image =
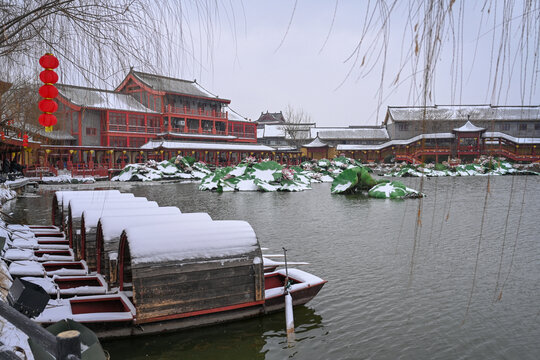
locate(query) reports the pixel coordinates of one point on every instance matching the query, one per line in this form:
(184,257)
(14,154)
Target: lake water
(455,275)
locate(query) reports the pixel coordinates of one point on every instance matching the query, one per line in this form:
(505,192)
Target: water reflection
(248,339)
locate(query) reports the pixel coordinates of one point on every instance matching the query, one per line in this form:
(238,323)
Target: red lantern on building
(25,140)
(48,91)
(3,136)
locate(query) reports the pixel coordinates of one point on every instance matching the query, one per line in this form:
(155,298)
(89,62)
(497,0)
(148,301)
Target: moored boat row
(124,266)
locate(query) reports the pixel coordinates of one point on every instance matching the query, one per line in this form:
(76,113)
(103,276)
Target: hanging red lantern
(48,120)
(48,91)
(3,136)
(25,140)
(49,61)
(48,76)
(48,105)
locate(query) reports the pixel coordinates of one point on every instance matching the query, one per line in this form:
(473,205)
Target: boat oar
(289,317)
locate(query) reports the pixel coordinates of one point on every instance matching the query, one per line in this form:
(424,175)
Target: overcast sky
(245,51)
(248,65)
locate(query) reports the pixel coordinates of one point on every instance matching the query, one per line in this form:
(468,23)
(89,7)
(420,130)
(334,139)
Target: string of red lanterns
(48,91)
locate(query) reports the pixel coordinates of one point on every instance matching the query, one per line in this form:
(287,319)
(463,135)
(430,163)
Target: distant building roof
(100,99)
(271,118)
(168,144)
(343,133)
(462,113)
(316,143)
(469,127)
(347,147)
(173,85)
(271,131)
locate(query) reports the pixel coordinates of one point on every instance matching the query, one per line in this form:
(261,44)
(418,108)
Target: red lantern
(49,61)
(48,105)
(3,136)
(48,76)
(47,120)
(25,140)
(48,91)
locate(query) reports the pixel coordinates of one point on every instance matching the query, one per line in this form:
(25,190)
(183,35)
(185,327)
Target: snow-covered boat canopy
(59,195)
(178,242)
(112,226)
(183,145)
(66,198)
(347,147)
(77,206)
(92,217)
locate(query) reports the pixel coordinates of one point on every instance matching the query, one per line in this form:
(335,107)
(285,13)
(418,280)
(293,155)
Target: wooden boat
(91,218)
(109,231)
(49,268)
(170,279)
(69,286)
(57,208)
(78,205)
(15,254)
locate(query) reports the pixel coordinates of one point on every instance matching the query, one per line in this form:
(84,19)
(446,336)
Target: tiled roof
(173,85)
(464,112)
(350,133)
(100,99)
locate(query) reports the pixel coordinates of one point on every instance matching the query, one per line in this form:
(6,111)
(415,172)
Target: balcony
(196,112)
(135,129)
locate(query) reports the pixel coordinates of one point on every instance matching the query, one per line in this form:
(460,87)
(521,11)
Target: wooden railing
(40,171)
(197,112)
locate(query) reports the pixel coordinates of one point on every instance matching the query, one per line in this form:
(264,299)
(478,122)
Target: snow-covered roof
(91,217)
(280,131)
(341,133)
(40,130)
(174,85)
(177,242)
(464,112)
(316,143)
(77,206)
(233,115)
(271,131)
(112,226)
(513,139)
(469,127)
(101,99)
(182,145)
(346,147)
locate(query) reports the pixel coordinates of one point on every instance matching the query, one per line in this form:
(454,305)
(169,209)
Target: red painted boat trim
(200,312)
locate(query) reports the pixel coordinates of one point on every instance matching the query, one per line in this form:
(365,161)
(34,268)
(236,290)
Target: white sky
(248,66)
(240,58)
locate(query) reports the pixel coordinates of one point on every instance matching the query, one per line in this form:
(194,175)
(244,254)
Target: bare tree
(296,127)
(96,40)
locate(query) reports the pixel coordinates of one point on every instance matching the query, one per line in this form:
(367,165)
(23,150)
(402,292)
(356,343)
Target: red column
(80,127)
(107,140)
